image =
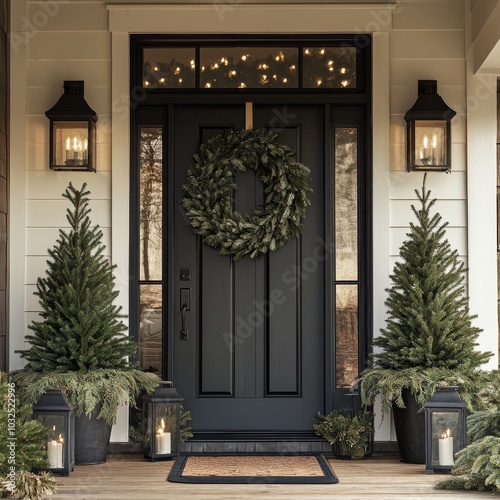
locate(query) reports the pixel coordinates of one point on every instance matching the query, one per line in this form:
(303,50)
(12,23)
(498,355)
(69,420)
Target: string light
(324,67)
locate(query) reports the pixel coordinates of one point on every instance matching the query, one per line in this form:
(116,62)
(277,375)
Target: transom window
(310,65)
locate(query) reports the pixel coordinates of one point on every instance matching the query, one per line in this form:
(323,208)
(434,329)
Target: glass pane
(71,143)
(169,68)
(346,334)
(166,428)
(445,442)
(150,230)
(430,142)
(150,336)
(346,204)
(248,67)
(56,436)
(329,67)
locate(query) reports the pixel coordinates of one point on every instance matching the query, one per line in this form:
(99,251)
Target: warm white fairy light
(285,80)
(263,79)
(242,85)
(208,85)
(293,67)
(177,70)
(275,77)
(146,83)
(307,52)
(162,80)
(244,57)
(322,52)
(330,63)
(345,83)
(192,63)
(343,71)
(319,82)
(202,69)
(331,69)
(155,68)
(180,80)
(215,66)
(232,73)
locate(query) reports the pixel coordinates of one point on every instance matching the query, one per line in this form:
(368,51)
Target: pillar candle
(446,450)
(55,453)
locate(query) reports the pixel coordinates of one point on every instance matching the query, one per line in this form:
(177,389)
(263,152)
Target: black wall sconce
(428,130)
(72,130)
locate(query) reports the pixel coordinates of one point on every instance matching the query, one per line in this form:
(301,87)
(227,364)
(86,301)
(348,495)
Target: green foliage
(479,466)
(487,422)
(81,328)
(211,184)
(389,384)
(429,327)
(21,449)
(350,434)
(109,388)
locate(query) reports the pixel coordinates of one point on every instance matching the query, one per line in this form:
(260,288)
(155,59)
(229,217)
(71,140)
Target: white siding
(71,41)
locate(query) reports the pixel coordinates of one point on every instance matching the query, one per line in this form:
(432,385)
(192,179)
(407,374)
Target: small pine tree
(21,449)
(429,339)
(81,328)
(429,324)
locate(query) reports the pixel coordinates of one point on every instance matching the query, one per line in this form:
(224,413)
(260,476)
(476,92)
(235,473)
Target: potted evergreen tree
(79,344)
(429,339)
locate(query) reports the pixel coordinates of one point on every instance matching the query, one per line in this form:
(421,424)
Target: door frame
(363,101)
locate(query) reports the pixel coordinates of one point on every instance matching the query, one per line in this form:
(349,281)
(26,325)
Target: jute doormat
(312,469)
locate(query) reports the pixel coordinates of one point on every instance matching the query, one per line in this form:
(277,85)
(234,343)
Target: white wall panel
(69,16)
(52,213)
(408,71)
(51,73)
(456,236)
(69,46)
(36,265)
(452,211)
(442,185)
(51,185)
(429,15)
(38,240)
(427,44)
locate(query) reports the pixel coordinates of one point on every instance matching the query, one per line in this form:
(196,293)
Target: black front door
(254,356)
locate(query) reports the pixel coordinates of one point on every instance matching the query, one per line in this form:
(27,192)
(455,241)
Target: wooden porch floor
(381,477)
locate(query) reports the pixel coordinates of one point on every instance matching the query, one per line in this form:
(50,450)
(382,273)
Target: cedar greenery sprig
(211,184)
(109,388)
(27,436)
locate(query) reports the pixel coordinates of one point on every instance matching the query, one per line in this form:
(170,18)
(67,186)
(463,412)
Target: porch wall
(53,42)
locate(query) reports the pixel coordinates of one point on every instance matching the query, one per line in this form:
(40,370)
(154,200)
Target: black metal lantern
(161,422)
(72,130)
(57,415)
(445,429)
(428,130)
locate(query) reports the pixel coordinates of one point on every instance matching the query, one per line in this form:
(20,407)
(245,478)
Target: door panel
(254,356)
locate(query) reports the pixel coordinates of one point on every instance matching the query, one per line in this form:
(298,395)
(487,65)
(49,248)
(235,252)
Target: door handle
(185,306)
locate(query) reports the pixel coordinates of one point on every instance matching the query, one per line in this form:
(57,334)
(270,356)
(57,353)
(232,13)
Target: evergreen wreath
(211,182)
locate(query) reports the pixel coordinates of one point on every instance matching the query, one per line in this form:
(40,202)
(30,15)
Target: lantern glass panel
(430,143)
(56,437)
(445,437)
(166,428)
(71,143)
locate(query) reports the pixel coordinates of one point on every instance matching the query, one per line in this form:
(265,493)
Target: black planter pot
(410,430)
(91,439)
